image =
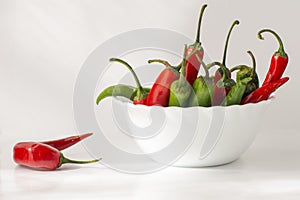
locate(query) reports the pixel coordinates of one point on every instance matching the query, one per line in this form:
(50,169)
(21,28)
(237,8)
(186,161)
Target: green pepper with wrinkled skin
(180,89)
(222,83)
(120,90)
(245,71)
(236,93)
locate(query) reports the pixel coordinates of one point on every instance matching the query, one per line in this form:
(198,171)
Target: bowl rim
(129,103)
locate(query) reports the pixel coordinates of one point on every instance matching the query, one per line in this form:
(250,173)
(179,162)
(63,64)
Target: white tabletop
(270,169)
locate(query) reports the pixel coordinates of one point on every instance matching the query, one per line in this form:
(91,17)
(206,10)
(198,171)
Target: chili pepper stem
(164,62)
(167,64)
(280,51)
(183,68)
(182,78)
(223,68)
(253,63)
(140,90)
(178,67)
(236,22)
(210,65)
(199,24)
(138,84)
(64,160)
(240,67)
(204,66)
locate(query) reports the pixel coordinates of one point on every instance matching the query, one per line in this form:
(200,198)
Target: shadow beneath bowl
(272,151)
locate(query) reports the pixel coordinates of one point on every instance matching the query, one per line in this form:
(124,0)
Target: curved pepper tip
(259,35)
(112,59)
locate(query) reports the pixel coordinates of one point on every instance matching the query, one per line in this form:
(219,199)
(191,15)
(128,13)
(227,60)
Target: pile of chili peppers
(46,155)
(181,86)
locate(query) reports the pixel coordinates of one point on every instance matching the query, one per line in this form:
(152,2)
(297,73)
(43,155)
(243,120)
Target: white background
(44,43)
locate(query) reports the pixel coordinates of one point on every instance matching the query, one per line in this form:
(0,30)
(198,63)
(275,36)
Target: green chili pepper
(120,90)
(141,95)
(236,93)
(203,89)
(245,71)
(116,90)
(180,89)
(138,95)
(225,80)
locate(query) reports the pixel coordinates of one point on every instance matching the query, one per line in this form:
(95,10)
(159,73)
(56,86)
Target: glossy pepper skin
(196,53)
(120,90)
(279,59)
(203,89)
(264,92)
(222,86)
(160,92)
(245,72)
(180,90)
(235,95)
(65,143)
(116,90)
(141,94)
(41,156)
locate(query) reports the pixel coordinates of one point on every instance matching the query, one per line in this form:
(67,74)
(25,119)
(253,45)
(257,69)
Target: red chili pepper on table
(41,156)
(195,53)
(279,60)
(264,92)
(64,143)
(141,94)
(160,92)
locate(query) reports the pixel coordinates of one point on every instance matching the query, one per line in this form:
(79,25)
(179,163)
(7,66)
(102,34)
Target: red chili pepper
(193,63)
(279,60)
(222,85)
(141,94)
(41,156)
(141,101)
(264,92)
(160,91)
(64,143)
(218,75)
(221,92)
(219,96)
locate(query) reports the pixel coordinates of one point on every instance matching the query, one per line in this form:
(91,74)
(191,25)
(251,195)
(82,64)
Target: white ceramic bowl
(195,136)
